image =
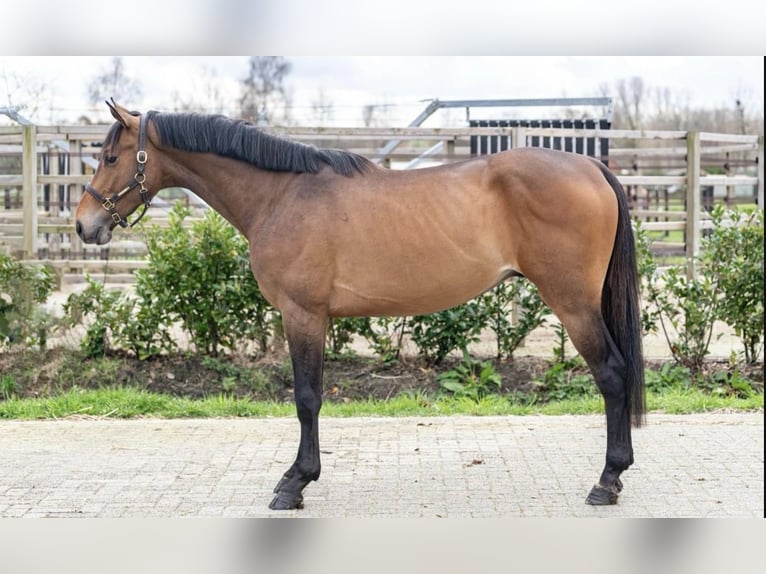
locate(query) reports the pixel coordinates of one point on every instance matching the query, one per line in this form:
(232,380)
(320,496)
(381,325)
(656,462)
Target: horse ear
(118,112)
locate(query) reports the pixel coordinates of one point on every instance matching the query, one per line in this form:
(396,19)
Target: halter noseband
(110,203)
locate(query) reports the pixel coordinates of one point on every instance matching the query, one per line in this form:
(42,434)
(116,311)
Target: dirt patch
(39,374)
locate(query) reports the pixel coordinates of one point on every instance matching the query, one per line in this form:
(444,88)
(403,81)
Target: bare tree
(640,106)
(748,111)
(666,110)
(113,82)
(322,108)
(368,114)
(376,115)
(629,104)
(741,121)
(21,93)
(264,96)
(205,93)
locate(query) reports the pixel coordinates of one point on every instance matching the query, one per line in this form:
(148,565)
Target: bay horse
(331,234)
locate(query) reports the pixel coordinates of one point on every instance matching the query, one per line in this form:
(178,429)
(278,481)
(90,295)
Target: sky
(394,27)
(404,85)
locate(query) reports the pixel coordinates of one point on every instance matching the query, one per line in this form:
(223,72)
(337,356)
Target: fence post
(519,137)
(760,172)
(75,194)
(450,149)
(693,199)
(29,171)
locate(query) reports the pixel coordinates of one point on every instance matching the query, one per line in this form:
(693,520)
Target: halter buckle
(108,204)
(141,156)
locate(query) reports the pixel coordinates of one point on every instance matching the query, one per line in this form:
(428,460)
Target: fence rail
(671,177)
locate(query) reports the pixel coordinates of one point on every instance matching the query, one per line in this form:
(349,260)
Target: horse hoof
(286,501)
(280,484)
(603,496)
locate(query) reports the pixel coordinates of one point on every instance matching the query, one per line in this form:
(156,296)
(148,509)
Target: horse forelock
(111,137)
(243,141)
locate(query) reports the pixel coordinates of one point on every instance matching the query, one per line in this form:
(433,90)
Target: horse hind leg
(591,337)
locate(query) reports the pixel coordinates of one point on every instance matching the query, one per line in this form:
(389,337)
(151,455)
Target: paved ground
(691,465)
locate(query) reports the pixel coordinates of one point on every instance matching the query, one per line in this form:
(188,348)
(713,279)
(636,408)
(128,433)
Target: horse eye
(110,159)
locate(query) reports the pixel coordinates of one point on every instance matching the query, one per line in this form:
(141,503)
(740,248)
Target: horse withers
(331,235)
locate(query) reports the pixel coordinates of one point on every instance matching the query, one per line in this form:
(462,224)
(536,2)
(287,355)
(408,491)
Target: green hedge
(23,290)
(198,280)
(728,287)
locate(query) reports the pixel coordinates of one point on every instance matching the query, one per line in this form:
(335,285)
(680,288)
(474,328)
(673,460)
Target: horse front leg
(305,333)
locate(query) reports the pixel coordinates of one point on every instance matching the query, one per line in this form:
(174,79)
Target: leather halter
(110,203)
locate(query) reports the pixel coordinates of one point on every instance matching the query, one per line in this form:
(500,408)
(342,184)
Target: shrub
(385,336)
(733,255)
(728,287)
(341,332)
(670,376)
(200,276)
(683,308)
(687,312)
(23,290)
(98,305)
(8,387)
(647,271)
(471,378)
(113,320)
(438,334)
(530,312)
(565,380)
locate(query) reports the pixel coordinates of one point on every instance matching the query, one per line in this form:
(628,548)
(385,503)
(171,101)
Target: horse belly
(426,241)
(416,281)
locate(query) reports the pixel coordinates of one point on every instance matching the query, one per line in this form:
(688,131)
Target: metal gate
(591,146)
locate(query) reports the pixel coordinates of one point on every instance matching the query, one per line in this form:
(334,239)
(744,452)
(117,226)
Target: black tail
(620,303)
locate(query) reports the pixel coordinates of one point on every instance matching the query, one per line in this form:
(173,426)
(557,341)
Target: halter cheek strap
(110,203)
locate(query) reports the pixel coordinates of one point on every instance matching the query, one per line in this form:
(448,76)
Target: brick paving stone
(686,466)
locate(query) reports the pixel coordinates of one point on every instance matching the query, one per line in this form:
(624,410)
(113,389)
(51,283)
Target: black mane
(241,140)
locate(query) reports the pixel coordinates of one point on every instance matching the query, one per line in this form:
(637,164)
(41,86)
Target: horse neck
(241,193)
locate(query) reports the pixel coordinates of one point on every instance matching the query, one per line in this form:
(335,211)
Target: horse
(332,234)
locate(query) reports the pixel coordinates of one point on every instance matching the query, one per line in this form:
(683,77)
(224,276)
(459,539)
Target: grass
(131,403)
(60,393)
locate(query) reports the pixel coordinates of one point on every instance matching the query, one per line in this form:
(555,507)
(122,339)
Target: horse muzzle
(100,234)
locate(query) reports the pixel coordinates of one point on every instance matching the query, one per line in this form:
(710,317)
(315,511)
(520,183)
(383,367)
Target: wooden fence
(671,176)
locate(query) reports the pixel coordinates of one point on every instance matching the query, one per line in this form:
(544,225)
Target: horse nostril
(78,228)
